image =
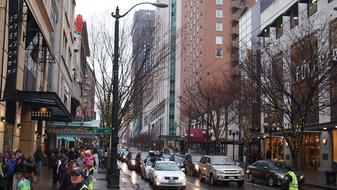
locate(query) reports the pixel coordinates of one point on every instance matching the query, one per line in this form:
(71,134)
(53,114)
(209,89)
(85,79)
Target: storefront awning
(50,100)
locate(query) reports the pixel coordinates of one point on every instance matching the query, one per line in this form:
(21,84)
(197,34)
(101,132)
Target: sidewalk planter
(330,177)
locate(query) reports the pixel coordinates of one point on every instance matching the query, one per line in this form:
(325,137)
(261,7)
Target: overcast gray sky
(90,8)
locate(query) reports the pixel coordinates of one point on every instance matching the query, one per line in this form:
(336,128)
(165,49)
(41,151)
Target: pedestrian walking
(54,161)
(80,160)
(38,155)
(72,155)
(63,169)
(10,164)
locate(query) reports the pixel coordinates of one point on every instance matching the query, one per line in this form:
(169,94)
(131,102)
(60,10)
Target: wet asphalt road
(193,183)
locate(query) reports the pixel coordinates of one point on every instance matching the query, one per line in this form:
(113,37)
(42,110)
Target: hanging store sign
(13,31)
(42,113)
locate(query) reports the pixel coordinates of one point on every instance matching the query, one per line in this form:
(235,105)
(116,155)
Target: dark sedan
(140,157)
(131,160)
(269,172)
(191,164)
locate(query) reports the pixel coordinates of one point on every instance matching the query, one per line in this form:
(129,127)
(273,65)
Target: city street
(194,183)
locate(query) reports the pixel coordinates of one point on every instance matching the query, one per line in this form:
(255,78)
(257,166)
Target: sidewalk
(100,182)
(316,179)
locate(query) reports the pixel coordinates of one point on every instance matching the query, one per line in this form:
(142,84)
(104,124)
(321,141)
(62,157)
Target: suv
(220,168)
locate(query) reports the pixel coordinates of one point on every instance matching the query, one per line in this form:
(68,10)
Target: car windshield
(222,161)
(167,167)
(133,156)
(196,158)
(273,166)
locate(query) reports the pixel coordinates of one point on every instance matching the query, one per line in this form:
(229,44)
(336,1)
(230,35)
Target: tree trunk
(296,161)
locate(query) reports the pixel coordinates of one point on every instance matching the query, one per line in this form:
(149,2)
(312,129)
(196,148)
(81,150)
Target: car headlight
(219,172)
(241,172)
(158,177)
(124,157)
(183,178)
(196,167)
(280,176)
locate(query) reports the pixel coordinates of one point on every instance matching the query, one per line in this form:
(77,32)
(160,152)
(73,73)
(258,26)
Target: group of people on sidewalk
(73,169)
(18,172)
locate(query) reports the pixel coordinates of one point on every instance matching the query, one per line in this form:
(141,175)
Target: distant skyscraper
(142,50)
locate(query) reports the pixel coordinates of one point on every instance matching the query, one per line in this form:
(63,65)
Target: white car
(145,167)
(167,174)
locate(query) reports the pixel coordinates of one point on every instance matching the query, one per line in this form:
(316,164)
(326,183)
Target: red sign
(79,23)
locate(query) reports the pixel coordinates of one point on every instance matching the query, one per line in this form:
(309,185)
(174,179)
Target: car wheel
(250,178)
(212,180)
(200,176)
(271,182)
(240,183)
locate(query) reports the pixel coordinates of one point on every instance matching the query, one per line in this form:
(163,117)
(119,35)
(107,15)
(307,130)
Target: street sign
(101,130)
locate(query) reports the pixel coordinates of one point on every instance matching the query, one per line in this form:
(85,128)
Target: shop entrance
(310,152)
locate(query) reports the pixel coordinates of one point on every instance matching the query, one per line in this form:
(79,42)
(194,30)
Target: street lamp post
(233,133)
(113,174)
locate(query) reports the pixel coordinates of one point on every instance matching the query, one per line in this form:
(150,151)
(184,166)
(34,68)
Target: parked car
(140,158)
(267,171)
(167,174)
(191,164)
(220,168)
(147,165)
(131,160)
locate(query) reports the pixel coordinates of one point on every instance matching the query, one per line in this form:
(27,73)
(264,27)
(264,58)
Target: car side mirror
(265,167)
(183,169)
(237,164)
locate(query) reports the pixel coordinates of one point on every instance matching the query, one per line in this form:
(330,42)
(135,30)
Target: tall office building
(142,51)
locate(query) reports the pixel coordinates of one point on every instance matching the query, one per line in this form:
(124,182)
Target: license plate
(231,177)
(171,181)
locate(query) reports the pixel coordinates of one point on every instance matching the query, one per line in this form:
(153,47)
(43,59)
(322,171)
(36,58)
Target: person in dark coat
(63,169)
(38,156)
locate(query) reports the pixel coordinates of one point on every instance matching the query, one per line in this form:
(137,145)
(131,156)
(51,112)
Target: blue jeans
(37,167)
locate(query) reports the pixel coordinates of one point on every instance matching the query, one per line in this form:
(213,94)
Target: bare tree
(214,105)
(295,77)
(136,75)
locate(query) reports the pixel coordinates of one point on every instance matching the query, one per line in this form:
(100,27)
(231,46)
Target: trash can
(330,177)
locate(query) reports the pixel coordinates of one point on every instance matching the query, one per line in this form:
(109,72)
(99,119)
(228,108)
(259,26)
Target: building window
(294,18)
(219,2)
(312,7)
(218,53)
(218,40)
(219,13)
(219,27)
(279,28)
